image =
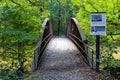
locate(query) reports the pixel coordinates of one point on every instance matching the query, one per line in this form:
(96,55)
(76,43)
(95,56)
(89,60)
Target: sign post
(98,27)
(97,52)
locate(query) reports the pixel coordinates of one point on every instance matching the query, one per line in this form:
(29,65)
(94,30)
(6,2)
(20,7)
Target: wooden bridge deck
(63,61)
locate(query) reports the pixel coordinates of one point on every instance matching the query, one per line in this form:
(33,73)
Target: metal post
(97,52)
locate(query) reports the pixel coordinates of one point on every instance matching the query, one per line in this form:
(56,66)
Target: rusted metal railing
(86,53)
(75,33)
(45,36)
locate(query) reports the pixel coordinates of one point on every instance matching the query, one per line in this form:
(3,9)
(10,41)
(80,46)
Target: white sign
(98,24)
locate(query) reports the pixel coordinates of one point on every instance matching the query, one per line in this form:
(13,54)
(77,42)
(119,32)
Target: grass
(32,76)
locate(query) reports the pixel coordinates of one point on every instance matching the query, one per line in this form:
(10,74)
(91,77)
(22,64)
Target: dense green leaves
(110,7)
(20,23)
(21,20)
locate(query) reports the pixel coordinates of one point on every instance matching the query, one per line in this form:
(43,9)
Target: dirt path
(63,61)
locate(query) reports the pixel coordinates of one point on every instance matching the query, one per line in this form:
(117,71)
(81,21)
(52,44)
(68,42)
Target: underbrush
(10,72)
(113,68)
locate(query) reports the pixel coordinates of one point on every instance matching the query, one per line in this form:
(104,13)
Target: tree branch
(33,3)
(114,34)
(15,2)
(12,50)
(113,23)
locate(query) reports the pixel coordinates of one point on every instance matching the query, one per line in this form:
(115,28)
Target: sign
(98,24)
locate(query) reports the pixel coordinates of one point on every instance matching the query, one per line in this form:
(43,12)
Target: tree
(20,23)
(60,13)
(110,42)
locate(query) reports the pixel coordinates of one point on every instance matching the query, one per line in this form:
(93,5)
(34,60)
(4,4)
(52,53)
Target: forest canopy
(21,22)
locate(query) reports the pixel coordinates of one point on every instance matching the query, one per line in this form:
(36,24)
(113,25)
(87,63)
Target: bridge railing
(75,33)
(45,36)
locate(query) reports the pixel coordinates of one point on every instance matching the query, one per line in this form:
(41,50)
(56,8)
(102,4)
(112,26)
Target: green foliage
(21,20)
(108,48)
(32,76)
(12,74)
(60,13)
(20,23)
(110,7)
(114,67)
(109,43)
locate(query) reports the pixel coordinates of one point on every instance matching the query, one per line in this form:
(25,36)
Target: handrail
(84,52)
(75,33)
(81,41)
(82,49)
(43,40)
(45,44)
(42,49)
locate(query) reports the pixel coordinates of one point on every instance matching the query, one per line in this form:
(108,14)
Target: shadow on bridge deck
(61,54)
(62,60)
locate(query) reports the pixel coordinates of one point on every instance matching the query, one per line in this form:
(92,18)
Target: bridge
(58,54)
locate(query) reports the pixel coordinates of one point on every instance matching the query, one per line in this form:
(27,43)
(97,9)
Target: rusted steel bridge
(61,53)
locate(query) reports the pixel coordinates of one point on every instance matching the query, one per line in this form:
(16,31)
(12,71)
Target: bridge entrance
(62,61)
(69,51)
